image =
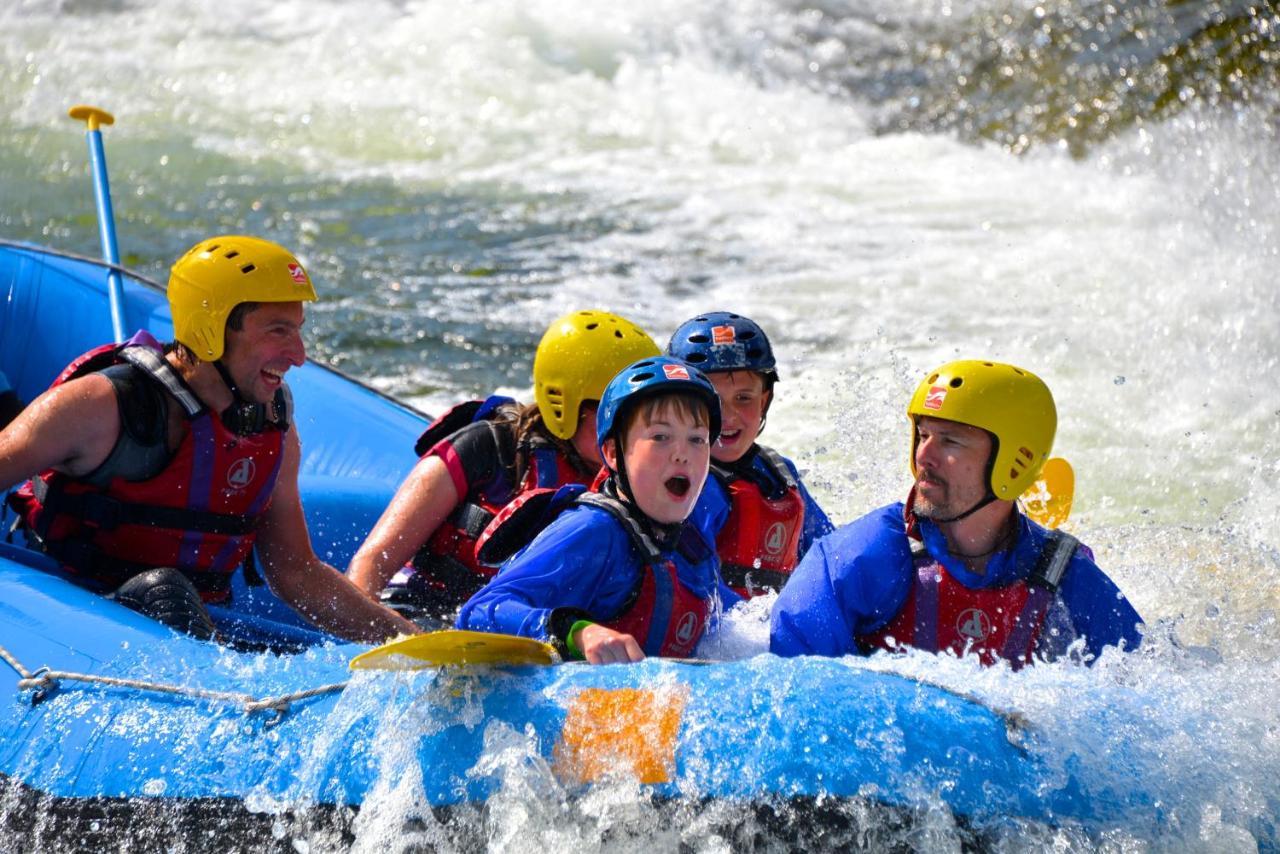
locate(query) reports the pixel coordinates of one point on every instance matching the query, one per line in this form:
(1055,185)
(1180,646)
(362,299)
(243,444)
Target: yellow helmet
(1012,404)
(218,274)
(577,357)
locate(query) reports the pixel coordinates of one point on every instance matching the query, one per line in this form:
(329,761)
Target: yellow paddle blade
(455,646)
(1048,500)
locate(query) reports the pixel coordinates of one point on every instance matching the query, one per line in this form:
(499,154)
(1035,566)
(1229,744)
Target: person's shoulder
(92,395)
(586,524)
(880,525)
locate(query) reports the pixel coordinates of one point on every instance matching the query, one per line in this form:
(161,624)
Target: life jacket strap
(776,466)
(1042,584)
(649,551)
(154,365)
(110,572)
(107,513)
(471,519)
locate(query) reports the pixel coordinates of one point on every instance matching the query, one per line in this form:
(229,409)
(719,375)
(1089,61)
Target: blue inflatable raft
(98,702)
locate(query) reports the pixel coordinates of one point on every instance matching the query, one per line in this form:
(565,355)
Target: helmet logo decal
(935,397)
(240,474)
(974,624)
(723,335)
(676,372)
(298,274)
(775,538)
(687,628)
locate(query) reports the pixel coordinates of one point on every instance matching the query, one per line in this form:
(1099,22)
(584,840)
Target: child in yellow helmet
(477,457)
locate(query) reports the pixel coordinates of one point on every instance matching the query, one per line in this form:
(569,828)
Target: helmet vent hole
(956,382)
(696,358)
(747,335)
(699,339)
(933,378)
(232,254)
(617,333)
(593,325)
(248,268)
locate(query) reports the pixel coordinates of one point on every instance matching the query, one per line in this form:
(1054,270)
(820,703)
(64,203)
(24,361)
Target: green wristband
(569,642)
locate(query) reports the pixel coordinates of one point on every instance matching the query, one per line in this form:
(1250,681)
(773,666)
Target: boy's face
(743,403)
(666,460)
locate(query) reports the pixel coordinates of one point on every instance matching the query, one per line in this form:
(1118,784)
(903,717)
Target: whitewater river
(1087,189)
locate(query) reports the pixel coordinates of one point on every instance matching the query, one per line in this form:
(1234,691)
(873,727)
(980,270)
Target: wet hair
(683,404)
(531,430)
(235,320)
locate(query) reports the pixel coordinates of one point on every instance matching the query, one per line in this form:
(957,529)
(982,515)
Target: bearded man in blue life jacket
(958,567)
(158,470)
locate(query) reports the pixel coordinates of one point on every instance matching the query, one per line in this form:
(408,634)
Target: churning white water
(883,186)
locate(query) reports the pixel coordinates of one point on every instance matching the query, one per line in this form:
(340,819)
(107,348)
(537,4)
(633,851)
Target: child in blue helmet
(772,519)
(618,574)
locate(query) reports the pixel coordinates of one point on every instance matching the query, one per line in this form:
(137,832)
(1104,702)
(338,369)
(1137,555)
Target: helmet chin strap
(241,417)
(665,534)
(982,502)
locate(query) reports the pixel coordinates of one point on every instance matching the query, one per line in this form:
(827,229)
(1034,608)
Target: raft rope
(43,681)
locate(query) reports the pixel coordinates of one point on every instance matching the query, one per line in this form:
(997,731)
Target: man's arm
(316,590)
(71,428)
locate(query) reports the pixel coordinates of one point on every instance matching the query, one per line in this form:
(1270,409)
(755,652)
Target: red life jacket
(197,515)
(665,617)
(759,545)
(447,561)
(994,623)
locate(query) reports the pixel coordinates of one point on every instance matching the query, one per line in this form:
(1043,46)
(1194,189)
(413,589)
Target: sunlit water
(1089,190)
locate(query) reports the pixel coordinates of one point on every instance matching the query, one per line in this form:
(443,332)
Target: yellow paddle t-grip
(91,116)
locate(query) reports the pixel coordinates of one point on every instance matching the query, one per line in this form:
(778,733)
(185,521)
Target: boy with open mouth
(618,573)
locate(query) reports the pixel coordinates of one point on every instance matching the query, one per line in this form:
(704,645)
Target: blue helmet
(649,377)
(723,341)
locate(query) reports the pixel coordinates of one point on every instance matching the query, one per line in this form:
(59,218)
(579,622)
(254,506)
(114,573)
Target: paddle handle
(95,118)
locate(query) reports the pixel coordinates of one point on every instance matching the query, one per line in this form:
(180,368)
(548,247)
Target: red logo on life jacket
(298,274)
(676,372)
(240,474)
(935,397)
(974,624)
(723,335)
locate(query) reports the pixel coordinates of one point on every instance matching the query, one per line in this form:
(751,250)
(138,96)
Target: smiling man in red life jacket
(159,469)
(958,567)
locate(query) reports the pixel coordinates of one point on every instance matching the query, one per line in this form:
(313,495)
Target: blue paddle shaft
(107,231)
